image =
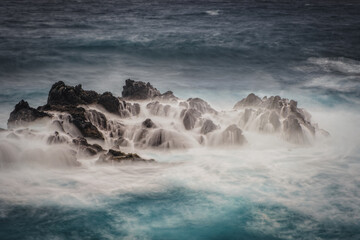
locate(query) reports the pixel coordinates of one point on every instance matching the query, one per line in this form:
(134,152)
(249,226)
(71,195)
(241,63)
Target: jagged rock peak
(138,90)
(24,114)
(250,101)
(61,94)
(200,105)
(109,102)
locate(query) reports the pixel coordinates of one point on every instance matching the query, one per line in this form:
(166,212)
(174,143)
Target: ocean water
(219,51)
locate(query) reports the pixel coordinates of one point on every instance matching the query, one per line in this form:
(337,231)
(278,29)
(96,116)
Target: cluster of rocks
(73,106)
(280,114)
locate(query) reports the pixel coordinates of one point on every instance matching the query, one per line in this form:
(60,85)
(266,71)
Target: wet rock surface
(61,94)
(23,114)
(190,118)
(85,147)
(109,102)
(114,156)
(148,123)
(137,90)
(208,126)
(276,114)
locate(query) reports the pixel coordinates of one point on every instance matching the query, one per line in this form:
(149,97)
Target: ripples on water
(305,50)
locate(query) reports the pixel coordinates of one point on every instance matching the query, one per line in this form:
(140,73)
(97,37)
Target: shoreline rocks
(24,114)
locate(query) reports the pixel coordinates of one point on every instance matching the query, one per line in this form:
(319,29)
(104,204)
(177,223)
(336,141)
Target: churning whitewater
(247,129)
(149,160)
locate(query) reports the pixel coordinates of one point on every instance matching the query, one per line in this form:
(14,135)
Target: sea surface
(217,50)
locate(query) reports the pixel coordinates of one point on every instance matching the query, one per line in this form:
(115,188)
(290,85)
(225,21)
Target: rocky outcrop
(56,139)
(190,118)
(250,101)
(276,114)
(78,114)
(137,90)
(148,123)
(61,94)
(97,118)
(128,109)
(232,135)
(24,114)
(86,148)
(78,118)
(158,109)
(109,102)
(200,105)
(208,126)
(113,156)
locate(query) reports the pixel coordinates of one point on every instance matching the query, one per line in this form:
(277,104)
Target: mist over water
(219,51)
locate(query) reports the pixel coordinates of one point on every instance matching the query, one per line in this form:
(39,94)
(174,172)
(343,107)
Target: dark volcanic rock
(113,156)
(97,118)
(78,118)
(137,90)
(61,94)
(109,102)
(85,147)
(128,109)
(148,123)
(24,114)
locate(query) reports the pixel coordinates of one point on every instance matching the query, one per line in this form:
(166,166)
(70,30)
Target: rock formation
(137,90)
(91,124)
(24,114)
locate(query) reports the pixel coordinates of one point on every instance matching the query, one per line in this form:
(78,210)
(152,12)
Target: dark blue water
(218,50)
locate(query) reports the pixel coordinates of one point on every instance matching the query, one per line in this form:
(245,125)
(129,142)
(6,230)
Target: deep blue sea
(219,51)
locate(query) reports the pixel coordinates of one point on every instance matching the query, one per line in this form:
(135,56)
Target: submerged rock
(86,148)
(23,114)
(56,139)
(114,156)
